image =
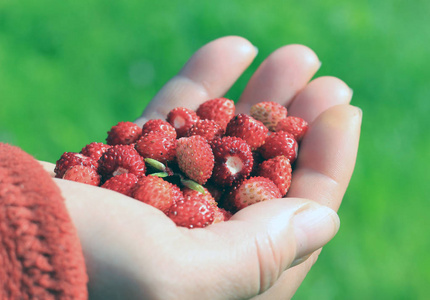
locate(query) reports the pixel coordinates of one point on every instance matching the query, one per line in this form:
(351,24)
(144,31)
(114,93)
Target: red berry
(280,143)
(157,192)
(121,159)
(157,145)
(294,125)
(277,169)
(193,193)
(124,133)
(182,119)
(192,212)
(258,159)
(195,158)
(95,150)
(220,110)
(122,183)
(233,160)
(83,174)
(215,190)
(253,190)
(247,128)
(70,159)
(209,129)
(268,112)
(221,215)
(159,126)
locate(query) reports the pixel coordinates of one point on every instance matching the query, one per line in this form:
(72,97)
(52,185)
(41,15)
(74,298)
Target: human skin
(133,251)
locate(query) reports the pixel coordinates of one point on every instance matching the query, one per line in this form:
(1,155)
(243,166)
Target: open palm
(133,251)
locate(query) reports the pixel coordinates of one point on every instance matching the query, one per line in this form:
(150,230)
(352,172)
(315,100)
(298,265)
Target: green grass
(69,71)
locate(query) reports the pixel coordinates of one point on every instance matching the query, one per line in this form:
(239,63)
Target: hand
(133,251)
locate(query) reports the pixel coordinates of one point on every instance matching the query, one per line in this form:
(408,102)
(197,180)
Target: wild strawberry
(121,159)
(277,169)
(209,129)
(159,126)
(83,174)
(122,183)
(182,119)
(123,133)
(258,159)
(226,201)
(70,159)
(221,215)
(233,160)
(195,158)
(253,190)
(95,150)
(220,110)
(269,113)
(192,212)
(294,125)
(193,193)
(247,128)
(157,192)
(215,190)
(157,145)
(280,143)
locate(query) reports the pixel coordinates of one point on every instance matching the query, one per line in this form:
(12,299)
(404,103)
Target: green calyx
(155,164)
(193,185)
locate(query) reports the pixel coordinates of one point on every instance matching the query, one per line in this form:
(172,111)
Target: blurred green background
(71,69)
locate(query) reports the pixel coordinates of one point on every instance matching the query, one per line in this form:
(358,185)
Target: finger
(319,95)
(285,72)
(48,167)
(264,239)
(290,280)
(209,73)
(327,156)
(326,161)
(247,253)
(114,231)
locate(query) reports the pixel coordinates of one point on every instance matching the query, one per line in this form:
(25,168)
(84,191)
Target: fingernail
(314,226)
(247,49)
(319,66)
(360,111)
(299,260)
(351,91)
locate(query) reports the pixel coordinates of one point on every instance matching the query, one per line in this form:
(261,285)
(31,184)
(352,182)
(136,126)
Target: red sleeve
(40,252)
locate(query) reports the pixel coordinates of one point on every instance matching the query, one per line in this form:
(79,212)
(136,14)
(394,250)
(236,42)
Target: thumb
(269,237)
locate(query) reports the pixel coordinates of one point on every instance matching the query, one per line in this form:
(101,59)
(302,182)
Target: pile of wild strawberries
(198,167)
